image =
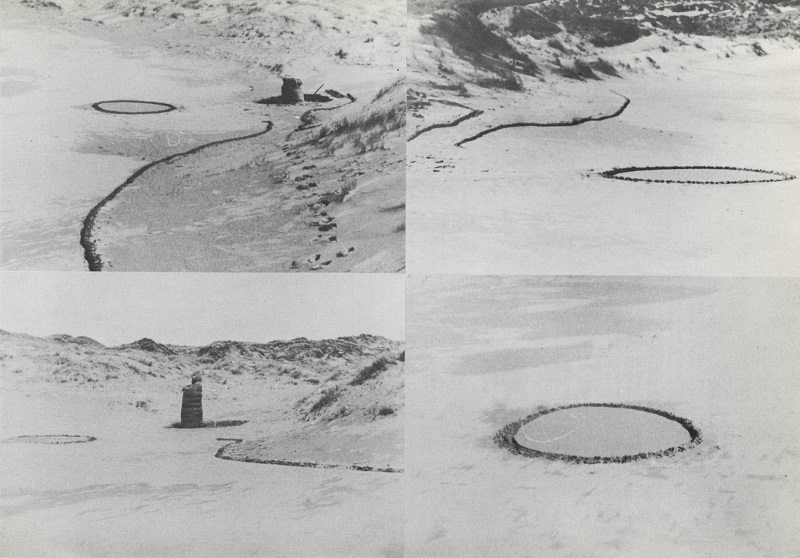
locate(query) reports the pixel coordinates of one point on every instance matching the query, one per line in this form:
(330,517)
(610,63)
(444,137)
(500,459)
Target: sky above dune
(197,308)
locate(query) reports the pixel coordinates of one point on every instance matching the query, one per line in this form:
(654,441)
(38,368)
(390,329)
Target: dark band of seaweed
(222,454)
(210,424)
(617,174)
(166,107)
(505,437)
(39,438)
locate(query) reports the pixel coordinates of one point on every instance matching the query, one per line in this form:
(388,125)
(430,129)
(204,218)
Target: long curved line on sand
(573,122)
(348,96)
(472,114)
(310,464)
(89,249)
(307,124)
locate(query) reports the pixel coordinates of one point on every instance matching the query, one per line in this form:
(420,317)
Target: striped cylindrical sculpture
(192,405)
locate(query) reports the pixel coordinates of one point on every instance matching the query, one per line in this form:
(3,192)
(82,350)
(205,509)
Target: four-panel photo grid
(423,279)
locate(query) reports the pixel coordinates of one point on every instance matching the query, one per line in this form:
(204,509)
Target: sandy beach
(286,468)
(213,69)
(532,200)
(486,351)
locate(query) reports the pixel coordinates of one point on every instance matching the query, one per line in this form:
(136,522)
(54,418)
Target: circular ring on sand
(128,106)
(51,439)
(599,433)
(703,174)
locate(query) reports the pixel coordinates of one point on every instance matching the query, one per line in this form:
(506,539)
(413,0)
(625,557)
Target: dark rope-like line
(504,438)
(89,250)
(616,175)
(472,114)
(574,122)
(350,100)
(305,117)
(167,107)
(35,438)
(310,464)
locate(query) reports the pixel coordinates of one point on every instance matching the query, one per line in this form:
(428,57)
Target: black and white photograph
(399,278)
(223,135)
(602,416)
(201,415)
(603,137)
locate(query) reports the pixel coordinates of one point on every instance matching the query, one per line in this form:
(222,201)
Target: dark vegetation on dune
(369,128)
(524,20)
(146,344)
(67,359)
(328,397)
(381,377)
(372,370)
(579,70)
(390,119)
(612,22)
(46,4)
(541,21)
(604,66)
(421,7)
(472,40)
(493,36)
(79,340)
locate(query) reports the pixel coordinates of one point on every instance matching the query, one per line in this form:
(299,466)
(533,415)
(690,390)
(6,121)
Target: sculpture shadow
(209,424)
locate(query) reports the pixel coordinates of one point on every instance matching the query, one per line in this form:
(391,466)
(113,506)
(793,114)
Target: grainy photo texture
(603,137)
(203,415)
(222,135)
(602,416)
(599,258)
